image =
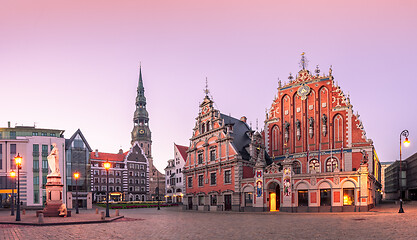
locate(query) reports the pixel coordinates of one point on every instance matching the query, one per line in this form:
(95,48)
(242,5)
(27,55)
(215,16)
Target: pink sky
(74,64)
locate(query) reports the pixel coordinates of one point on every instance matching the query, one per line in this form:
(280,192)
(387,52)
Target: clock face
(141,131)
(303,91)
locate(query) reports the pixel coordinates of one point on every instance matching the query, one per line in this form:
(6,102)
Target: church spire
(141,131)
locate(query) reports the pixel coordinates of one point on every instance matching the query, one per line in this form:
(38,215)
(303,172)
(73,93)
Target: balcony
(35,154)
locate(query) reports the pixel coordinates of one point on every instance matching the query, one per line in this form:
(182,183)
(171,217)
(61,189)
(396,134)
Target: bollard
(40,218)
(117,212)
(102,215)
(24,211)
(96,210)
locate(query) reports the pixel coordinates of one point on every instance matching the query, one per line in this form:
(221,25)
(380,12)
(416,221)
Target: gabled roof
(183,151)
(69,141)
(113,157)
(240,136)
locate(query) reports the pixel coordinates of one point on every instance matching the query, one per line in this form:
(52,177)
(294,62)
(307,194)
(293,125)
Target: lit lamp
(12,175)
(107,166)
(406,144)
(76,176)
(18,161)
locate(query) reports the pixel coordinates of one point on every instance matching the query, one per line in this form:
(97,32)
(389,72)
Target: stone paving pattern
(383,222)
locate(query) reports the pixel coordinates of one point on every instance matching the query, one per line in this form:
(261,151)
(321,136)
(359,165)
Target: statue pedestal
(54,191)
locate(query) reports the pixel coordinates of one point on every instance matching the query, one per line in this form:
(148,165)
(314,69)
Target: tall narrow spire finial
(206,90)
(304,61)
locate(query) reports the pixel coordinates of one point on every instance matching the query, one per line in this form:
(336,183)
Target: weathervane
(304,61)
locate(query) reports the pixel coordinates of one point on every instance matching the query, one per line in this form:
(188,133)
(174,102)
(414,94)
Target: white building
(174,180)
(33,145)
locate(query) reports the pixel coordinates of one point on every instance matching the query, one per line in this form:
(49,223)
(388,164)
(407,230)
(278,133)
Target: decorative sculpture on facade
(324,121)
(311,127)
(364,157)
(298,125)
(53,161)
(286,131)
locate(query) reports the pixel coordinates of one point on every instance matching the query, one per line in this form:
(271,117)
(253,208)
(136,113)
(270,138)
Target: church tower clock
(141,132)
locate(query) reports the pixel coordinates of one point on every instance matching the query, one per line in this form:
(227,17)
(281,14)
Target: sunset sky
(74,64)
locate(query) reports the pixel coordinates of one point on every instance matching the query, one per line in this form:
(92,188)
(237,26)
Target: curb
(61,223)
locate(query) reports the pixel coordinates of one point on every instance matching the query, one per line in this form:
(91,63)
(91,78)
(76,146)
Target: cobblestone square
(382,222)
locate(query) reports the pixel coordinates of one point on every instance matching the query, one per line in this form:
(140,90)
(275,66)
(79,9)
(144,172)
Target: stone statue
(53,161)
(63,210)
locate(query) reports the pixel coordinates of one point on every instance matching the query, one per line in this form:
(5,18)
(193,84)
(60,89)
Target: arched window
(314,165)
(203,128)
(331,165)
(338,131)
(207,126)
(274,138)
(296,167)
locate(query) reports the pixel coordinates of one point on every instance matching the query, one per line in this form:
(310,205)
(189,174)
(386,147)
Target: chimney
(97,153)
(243,119)
(8,124)
(120,151)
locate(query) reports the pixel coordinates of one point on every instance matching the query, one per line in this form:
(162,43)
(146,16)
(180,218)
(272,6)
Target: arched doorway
(274,196)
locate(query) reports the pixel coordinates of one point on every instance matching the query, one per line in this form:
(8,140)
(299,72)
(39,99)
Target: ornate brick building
(313,154)
(322,159)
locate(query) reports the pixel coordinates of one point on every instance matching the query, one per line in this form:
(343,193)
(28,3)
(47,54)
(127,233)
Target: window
(45,164)
(111,180)
(96,180)
(212,154)
(325,197)
(314,165)
(213,200)
(248,199)
(302,197)
(12,154)
(130,181)
(227,176)
(36,196)
(142,189)
(34,134)
(103,180)
(179,179)
(13,135)
(96,172)
(118,173)
(141,167)
(118,180)
(52,135)
(190,182)
(213,178)
(142,181)
(131,174)
(331,165)
(130,189)
(142,174)
(35,165)
(103,188)
(200,158)
(208,126)
(200,180)
(44,134)
(348,197)
(296,167)
(44,150)
(35,180)
(201,200)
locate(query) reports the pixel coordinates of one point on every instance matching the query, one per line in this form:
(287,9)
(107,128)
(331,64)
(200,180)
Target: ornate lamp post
(76,176)
(12,175)
(107,166)
(18,161)
(406,144)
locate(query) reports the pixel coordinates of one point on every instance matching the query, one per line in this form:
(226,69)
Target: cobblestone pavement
(383,222)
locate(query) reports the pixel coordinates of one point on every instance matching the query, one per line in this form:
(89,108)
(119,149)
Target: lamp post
(12,175)
(406,144)
(107,166)
(18,161)
(76,176)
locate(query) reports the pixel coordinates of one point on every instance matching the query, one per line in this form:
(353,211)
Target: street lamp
(18,161)
(406,144)
(157,188)
(12,175)
(107,166)
(76,176)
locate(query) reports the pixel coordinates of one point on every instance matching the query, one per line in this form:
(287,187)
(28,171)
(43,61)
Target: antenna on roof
(256,124)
